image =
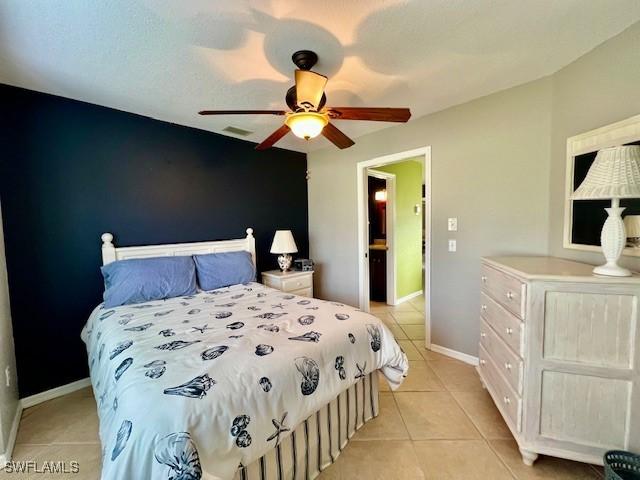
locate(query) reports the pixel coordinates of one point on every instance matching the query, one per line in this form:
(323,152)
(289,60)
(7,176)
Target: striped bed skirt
(317,442)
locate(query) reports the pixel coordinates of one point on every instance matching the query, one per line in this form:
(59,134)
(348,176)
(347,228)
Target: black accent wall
(70,171)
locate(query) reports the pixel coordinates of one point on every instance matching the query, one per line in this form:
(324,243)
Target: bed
(240,382)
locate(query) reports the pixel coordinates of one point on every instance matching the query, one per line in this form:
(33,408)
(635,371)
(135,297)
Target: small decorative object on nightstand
(298,283)
(632,226)
(614,174)
(284,244)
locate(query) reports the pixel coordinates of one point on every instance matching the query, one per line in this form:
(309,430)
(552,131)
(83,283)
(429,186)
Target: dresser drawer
(507,325)
(296,283)
(507,362)
(508,402)
(505,289)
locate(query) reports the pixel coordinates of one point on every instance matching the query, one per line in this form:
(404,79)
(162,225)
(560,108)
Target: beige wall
(8,395)
(490,168)
(599,88)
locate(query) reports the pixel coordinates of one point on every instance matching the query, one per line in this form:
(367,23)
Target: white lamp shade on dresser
(283,242)
(615,173)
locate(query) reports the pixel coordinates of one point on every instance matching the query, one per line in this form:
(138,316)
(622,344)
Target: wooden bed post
(108,249)
(251,244)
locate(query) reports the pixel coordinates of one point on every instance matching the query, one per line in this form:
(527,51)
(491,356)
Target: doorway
(381,193)
(394,237)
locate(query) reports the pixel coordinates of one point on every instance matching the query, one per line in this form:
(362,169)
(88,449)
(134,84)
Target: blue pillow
(145,279)
(217,270)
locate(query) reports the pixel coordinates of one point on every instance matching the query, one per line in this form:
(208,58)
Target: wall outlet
(452,224)
(7,376)
(452,245)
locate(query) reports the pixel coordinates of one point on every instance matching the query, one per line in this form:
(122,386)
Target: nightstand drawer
(296,283)
(505,289)
(305,292)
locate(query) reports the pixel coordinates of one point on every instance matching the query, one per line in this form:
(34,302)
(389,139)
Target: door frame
(390,181)
(363,247)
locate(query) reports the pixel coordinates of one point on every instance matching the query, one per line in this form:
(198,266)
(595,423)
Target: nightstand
(296,282)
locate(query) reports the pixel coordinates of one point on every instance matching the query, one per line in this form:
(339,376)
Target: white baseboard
(408,297)
(463,357)
(11,440)
(55,392)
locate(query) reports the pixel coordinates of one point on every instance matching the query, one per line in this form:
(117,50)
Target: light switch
(452,224)
(452,245)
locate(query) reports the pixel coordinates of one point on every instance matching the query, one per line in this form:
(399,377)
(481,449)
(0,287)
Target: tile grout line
(404,423)
(495,452)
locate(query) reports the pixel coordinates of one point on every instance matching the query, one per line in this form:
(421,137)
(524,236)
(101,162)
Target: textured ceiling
(168,59)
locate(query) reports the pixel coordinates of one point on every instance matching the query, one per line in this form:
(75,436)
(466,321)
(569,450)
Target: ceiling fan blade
(242,112)
(373,114)
(273,138)
(335,136)
(309,88)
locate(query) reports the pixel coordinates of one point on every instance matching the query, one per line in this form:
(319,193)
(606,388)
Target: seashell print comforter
(192,387)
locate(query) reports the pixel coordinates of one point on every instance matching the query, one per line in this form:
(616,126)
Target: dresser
(293,281)
(560,355)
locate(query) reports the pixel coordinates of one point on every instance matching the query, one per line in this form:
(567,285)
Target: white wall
(8,395)
(490,168)
(599,88)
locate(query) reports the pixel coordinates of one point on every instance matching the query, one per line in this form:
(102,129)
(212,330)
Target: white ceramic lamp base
(284,262)
(613,239)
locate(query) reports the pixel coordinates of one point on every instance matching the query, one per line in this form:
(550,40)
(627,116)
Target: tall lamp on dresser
(560,355)
(614,174)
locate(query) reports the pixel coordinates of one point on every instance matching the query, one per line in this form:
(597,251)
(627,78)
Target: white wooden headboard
(111,253)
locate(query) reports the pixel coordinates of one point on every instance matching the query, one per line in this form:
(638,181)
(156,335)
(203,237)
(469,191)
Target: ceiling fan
(309,117)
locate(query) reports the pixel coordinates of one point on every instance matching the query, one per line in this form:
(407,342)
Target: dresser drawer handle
(509,330)
(510,295)
(484,279)
(483,308)
(506,400)
(483,362)
(508,366)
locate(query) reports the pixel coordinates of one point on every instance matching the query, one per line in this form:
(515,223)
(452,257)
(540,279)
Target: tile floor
(439,425)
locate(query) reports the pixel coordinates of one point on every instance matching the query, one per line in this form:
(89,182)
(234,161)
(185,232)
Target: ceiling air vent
(237,131)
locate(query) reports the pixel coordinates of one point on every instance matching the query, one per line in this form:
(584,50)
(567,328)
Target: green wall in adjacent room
(408,225)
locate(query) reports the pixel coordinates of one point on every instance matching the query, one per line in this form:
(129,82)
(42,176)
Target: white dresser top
(552,268)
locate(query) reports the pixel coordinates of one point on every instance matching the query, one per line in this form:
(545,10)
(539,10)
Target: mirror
(583,219)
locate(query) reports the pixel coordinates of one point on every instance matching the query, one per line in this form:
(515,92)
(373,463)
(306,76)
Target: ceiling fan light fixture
(306,125)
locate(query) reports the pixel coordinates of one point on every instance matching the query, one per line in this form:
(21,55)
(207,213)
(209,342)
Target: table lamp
(614,174)
(284,244)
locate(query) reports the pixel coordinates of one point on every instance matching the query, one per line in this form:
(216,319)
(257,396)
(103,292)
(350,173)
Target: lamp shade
(615,173)
(283,242)
(632,226)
